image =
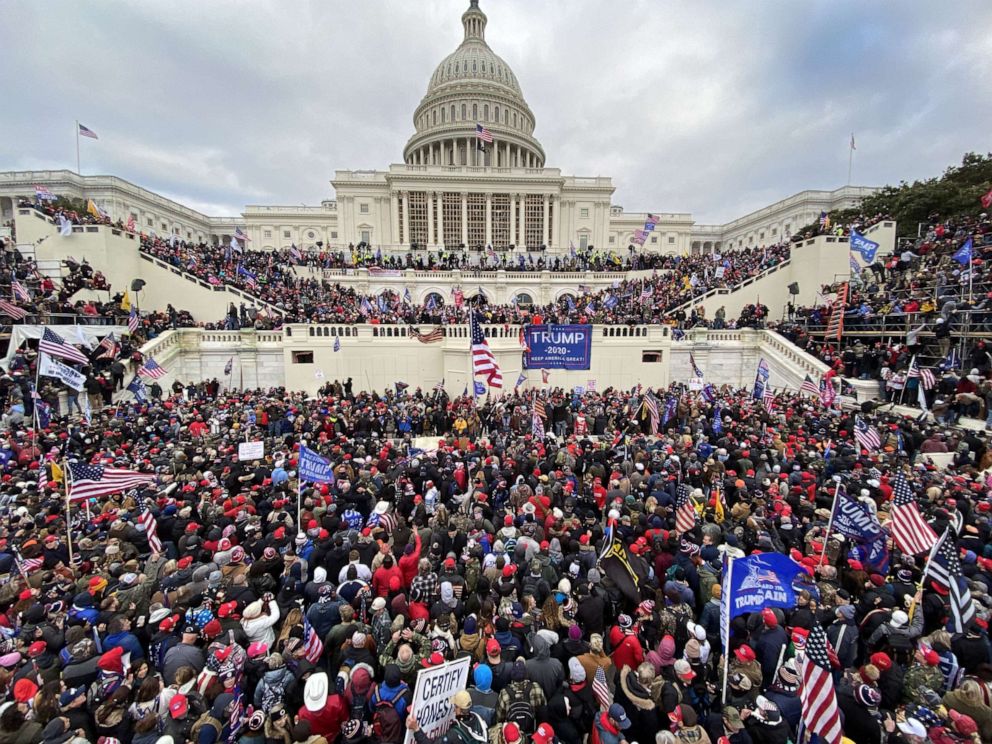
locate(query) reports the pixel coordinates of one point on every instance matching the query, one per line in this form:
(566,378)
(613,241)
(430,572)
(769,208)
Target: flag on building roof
(483,360)
(53,344)
(945,569)
(85,131)
(92,481)
(817,695)
(152,369)
(483,134)
(909,529)
(151,531)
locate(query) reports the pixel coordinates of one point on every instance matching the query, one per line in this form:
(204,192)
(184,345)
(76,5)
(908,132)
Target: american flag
(539,408)
(696,371)
(151,531)
(27,565)
(945,569)
(651,406)
(431,337)
(601,690)
(250,280)
(685,512)
(152,369)
(240,235)
(229,367)
(313,647)
(809,386)
(910,531)
(237,717)
(91,481)
(483,361)
(816,689)
(866,435)
(709,392)
(646,291)
(536,426)
(459,296)
(86,131)
(768,397)
(9,308)
(43,193)
(109,347)
(927,379)
(439,388)
(19,291)
(295,252)
(131,223)
(132,321)
(483,134)
(54,345)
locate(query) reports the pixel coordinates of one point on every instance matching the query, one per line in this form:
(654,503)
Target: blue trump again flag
(313,467)
(764,580)
(860,244)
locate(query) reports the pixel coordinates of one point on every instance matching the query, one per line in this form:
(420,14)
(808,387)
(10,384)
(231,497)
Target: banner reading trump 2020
(558,347)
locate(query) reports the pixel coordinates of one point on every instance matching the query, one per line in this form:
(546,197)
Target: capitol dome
(474,86)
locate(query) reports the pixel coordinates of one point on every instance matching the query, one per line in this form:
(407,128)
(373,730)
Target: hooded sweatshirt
(546,671)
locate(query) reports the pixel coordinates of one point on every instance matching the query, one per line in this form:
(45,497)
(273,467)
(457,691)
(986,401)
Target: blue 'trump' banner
(558,347)
(759,581)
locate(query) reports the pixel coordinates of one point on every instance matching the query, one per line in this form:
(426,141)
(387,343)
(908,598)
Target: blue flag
(861,244)
(137,388)
(854,520)
(337,343)
(313,467)
(717,421)
(963,255)
(44,413)
(480,388)
(874,555)
(760,581)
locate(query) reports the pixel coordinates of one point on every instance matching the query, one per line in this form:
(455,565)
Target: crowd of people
(259,609)
(273,277)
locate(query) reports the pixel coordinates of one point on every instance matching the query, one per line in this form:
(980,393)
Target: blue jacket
(127,641)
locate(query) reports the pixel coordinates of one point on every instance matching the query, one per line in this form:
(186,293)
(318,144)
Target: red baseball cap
(178,705)
(745,654)
(544,734)
(493,648)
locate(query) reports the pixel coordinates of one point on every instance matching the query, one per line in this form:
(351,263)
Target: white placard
(251,451)
(432,696)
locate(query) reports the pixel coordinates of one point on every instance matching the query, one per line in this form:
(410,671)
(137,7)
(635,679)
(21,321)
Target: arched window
(438,299)
(435,116)
(524,299)
(443,112)
(475,112)
(463,112)
(496,114)
(514,120)
(452,112)
(485,112)
(506,116)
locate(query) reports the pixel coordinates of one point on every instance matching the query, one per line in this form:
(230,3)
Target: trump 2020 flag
(861,244)
(854,520)
(313,467)
(760,581)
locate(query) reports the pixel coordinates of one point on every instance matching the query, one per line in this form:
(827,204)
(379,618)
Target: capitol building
(454,190)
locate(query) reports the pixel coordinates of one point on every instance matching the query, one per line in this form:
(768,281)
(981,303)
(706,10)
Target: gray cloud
(713,108)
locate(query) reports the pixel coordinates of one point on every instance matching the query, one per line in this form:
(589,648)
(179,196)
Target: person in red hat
(769,644)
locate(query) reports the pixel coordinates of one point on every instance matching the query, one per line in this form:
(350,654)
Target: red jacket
(628,652)
(382,577)
(327,721)
(408,562)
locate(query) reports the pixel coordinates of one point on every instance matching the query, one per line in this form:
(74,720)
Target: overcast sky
(715,108)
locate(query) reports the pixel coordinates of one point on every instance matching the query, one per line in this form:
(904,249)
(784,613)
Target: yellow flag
(56,472)
(91,208)
(718,508)
(126,302)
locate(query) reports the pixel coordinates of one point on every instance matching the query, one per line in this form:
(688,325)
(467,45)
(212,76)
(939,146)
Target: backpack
(205,720)
(387,726)
(520,711)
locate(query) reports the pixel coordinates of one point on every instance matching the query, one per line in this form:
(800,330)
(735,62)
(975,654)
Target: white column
(489,219)
(465,218)
(547,220)
(394,214)
(430,218)
(406,218)
(556,223)
(440,219)
(513,219)
(523,222)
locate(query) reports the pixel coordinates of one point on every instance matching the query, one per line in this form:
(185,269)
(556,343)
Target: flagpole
(78,173)
(830,522)
(926,570)
(66,478)
(725,598)
(850,159)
